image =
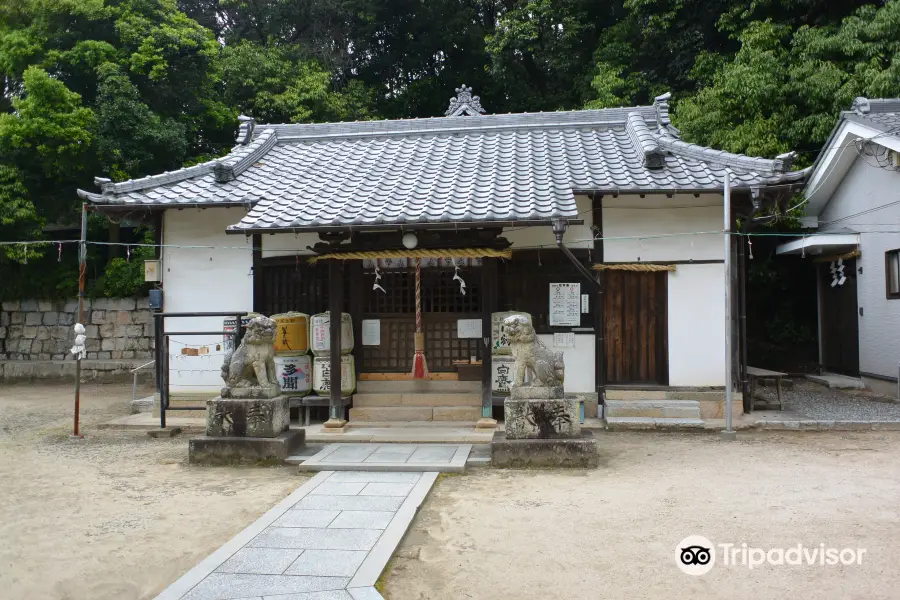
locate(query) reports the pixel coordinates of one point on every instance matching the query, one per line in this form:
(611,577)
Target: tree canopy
(126,88)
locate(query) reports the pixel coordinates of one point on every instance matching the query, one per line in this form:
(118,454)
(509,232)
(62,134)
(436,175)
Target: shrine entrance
(393,305)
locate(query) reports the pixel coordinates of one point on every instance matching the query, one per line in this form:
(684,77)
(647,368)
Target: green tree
(784,88)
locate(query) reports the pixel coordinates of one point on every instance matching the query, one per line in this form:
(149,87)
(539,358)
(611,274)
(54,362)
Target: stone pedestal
(547,418)
(247,417)
(247,392)
(207,450)
(578,452)
(246,431)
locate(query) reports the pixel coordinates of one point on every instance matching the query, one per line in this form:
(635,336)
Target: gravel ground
(813,401)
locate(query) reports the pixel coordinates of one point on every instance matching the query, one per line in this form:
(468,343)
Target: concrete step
(656,409)
(450,414)
(369,399)
(700,395)
(410,386)
(639,423)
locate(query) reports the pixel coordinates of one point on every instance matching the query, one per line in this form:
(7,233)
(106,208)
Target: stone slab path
(329,540)
(443,458)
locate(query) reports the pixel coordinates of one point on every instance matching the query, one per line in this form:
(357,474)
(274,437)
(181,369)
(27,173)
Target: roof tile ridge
(871,106)
(780,164)
(644,141)
(236,162)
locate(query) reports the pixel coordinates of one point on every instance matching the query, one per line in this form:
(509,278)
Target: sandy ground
(116,515)
(120,516)
(612,532)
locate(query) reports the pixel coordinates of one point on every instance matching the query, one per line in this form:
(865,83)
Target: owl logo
(695,555)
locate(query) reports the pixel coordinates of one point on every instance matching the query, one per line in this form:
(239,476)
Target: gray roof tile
(449,169)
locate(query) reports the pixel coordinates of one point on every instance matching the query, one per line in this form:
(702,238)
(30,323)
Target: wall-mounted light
(410,241)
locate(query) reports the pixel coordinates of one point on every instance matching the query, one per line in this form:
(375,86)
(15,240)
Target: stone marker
(542,426)
(250,421)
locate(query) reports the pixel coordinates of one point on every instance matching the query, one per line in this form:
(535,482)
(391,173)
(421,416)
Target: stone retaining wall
(41,330)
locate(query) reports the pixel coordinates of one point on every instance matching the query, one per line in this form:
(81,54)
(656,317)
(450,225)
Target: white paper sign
(468,328)
(371,332)
(564,340)
(565,304)
(585,304)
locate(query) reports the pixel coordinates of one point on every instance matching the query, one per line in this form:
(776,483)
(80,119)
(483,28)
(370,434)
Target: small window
(892,273)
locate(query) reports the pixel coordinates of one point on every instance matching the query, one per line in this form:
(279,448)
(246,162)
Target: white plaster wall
(203,280)
(579,360)
(288,244)
(659,215)
(866,187)
(577,236)
(697,325)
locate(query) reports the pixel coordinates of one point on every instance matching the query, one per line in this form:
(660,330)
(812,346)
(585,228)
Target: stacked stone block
(116,329)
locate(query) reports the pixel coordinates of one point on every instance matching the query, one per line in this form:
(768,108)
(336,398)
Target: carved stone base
(486,423)
(206,450)
(251,392)
(541,419)
(247,417)
(534,392)
(578,452)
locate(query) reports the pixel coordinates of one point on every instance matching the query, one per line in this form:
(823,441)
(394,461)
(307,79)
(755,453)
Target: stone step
(704,395)
(656,409)
(451,414)
(366,400)
(410,386)
(636,423)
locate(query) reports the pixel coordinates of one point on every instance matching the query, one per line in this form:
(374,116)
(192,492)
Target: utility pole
(729,433)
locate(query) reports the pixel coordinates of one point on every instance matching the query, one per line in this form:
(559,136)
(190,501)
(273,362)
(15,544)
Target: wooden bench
(753,374)
(307,402)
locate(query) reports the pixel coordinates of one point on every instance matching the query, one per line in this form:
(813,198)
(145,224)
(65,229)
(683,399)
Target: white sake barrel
(322,375)
(294,374)
(499,339)
(502,373)
(320,334)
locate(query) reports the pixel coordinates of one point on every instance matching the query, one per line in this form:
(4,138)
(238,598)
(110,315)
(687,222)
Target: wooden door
(840,327)
(636,327)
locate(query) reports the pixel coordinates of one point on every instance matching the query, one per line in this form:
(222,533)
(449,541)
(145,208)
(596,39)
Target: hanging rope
(420,367)
(637,267)
(846,256)
(417,253)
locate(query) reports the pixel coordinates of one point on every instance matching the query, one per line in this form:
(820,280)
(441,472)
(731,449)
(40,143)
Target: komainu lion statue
(251,368)
(546,366)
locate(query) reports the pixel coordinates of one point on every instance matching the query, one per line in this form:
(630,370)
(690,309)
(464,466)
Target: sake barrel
(322,375)
(292,335)
(294,374)
(320,334)
(502,373)
(499,339)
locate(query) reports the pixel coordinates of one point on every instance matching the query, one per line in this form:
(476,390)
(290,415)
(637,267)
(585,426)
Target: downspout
(559,230)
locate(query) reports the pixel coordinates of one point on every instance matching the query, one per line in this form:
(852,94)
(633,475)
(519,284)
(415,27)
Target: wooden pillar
(489,304)
(356,305)
(259,303)
(335,308)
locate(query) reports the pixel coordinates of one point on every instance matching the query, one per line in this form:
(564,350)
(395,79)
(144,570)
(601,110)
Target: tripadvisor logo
(696,555)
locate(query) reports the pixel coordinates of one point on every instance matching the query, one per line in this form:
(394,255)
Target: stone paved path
(443,458)
(328,540)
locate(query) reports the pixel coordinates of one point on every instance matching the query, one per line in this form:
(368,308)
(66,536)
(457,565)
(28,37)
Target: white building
(854,208)
(641,211)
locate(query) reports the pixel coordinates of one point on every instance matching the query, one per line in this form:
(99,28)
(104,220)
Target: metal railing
(162,351)
(134,382)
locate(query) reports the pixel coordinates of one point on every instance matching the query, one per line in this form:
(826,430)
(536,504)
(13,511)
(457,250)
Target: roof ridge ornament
(464,104)
(245,130)
(662,109)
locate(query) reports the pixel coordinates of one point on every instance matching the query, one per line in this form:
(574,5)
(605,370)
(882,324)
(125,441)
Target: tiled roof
(502,168)
(882,114)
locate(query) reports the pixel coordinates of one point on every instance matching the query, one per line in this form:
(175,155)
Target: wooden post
(259,304)
(356,308)
(336,420)
(489,304)
(82,262)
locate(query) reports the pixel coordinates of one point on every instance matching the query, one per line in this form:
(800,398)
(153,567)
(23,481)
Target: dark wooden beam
(335,307)
(259,300)
(356,296)
(599,300)
(489,304)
